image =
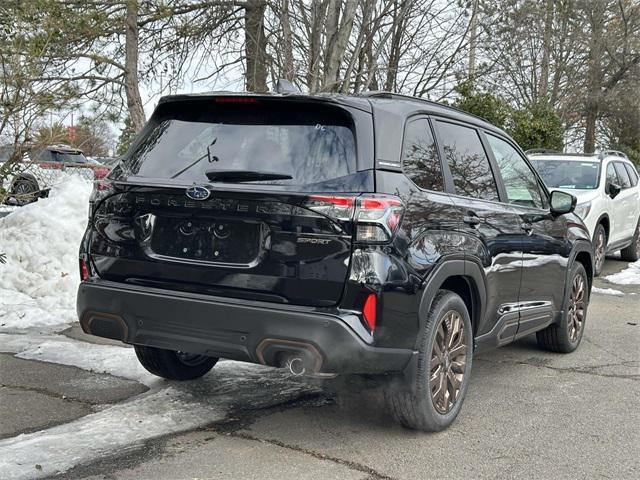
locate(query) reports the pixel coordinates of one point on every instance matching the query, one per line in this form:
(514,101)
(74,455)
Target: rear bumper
(256,332)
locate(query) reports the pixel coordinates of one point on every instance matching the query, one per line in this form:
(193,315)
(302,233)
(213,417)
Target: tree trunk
(594,75)
(473,40)
(255,46)
(287,43)
(546,50)
(337,44)
(318,10)
(134,101)
(398,29)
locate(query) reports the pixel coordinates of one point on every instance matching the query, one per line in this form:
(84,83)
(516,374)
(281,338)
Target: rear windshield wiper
(244,176)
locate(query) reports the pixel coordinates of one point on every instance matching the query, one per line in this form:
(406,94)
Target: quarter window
(420,159)
(519,180)
(468,162)
(625,181)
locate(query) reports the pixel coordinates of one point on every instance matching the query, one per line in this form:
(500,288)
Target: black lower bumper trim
(226,328)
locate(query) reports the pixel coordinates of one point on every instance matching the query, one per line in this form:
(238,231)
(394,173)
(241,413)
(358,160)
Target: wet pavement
(528,414)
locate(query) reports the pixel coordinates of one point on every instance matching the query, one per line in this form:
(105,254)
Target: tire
(411,397)
(565,336)
(599,249)
(174,365)
(632,252)
(24,191)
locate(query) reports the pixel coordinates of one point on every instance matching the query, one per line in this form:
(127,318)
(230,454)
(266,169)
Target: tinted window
(69,157)
(467,161)
(633,175)
(568,173)
(625,181)
(420,157)
(312,143)
(612,176)
(519,180)
(44,156)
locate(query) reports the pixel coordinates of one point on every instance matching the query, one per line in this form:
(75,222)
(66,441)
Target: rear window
(69,157)
(312,143)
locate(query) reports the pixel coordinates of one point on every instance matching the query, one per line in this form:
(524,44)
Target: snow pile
(39,281)
(607,291)
(628,276)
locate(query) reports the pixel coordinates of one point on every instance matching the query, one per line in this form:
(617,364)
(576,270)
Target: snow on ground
(111,359)
(7,208)
(169,407)
(38,283)
(607,291)
(37,298)
(628,276)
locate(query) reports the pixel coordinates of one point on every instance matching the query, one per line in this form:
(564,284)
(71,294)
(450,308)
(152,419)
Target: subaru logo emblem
(198,193)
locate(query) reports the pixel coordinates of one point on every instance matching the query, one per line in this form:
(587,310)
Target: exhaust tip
(295,365)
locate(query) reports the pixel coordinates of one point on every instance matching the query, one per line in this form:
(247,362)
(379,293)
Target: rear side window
(625,181)
(312,143)
(633,175)
(468,162)
(420,160)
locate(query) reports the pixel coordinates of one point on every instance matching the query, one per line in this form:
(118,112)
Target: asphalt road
(528,414)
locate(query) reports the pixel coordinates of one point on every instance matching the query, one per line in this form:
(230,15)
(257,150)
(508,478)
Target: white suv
(608,192)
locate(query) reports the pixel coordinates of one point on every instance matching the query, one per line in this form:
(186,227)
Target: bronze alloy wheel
(575,315)
(600,250)
(191,359)
(448,360)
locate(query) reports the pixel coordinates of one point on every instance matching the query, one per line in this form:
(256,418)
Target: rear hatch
(247,197)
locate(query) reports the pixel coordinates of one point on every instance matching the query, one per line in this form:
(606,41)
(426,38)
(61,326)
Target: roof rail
(534,151)
(612,153)
(400,96)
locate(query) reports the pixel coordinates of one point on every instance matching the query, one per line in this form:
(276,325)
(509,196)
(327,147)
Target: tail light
(100,172)
(235,99)
(51,166)
(369,311)
(84,270)
(377,217)
(340,208)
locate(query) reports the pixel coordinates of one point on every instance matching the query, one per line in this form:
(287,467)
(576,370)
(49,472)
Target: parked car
(41,168)
(606,186)
(378,234)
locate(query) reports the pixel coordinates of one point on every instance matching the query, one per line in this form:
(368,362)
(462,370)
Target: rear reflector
(369,311)
(84,271)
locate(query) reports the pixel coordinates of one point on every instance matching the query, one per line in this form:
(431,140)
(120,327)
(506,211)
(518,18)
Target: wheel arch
(462,277)
(606,224)
(583,254)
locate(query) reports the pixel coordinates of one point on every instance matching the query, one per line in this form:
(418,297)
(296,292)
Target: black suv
(376,234)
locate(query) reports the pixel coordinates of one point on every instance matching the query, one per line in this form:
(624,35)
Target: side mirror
(562,202)
(613,189)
